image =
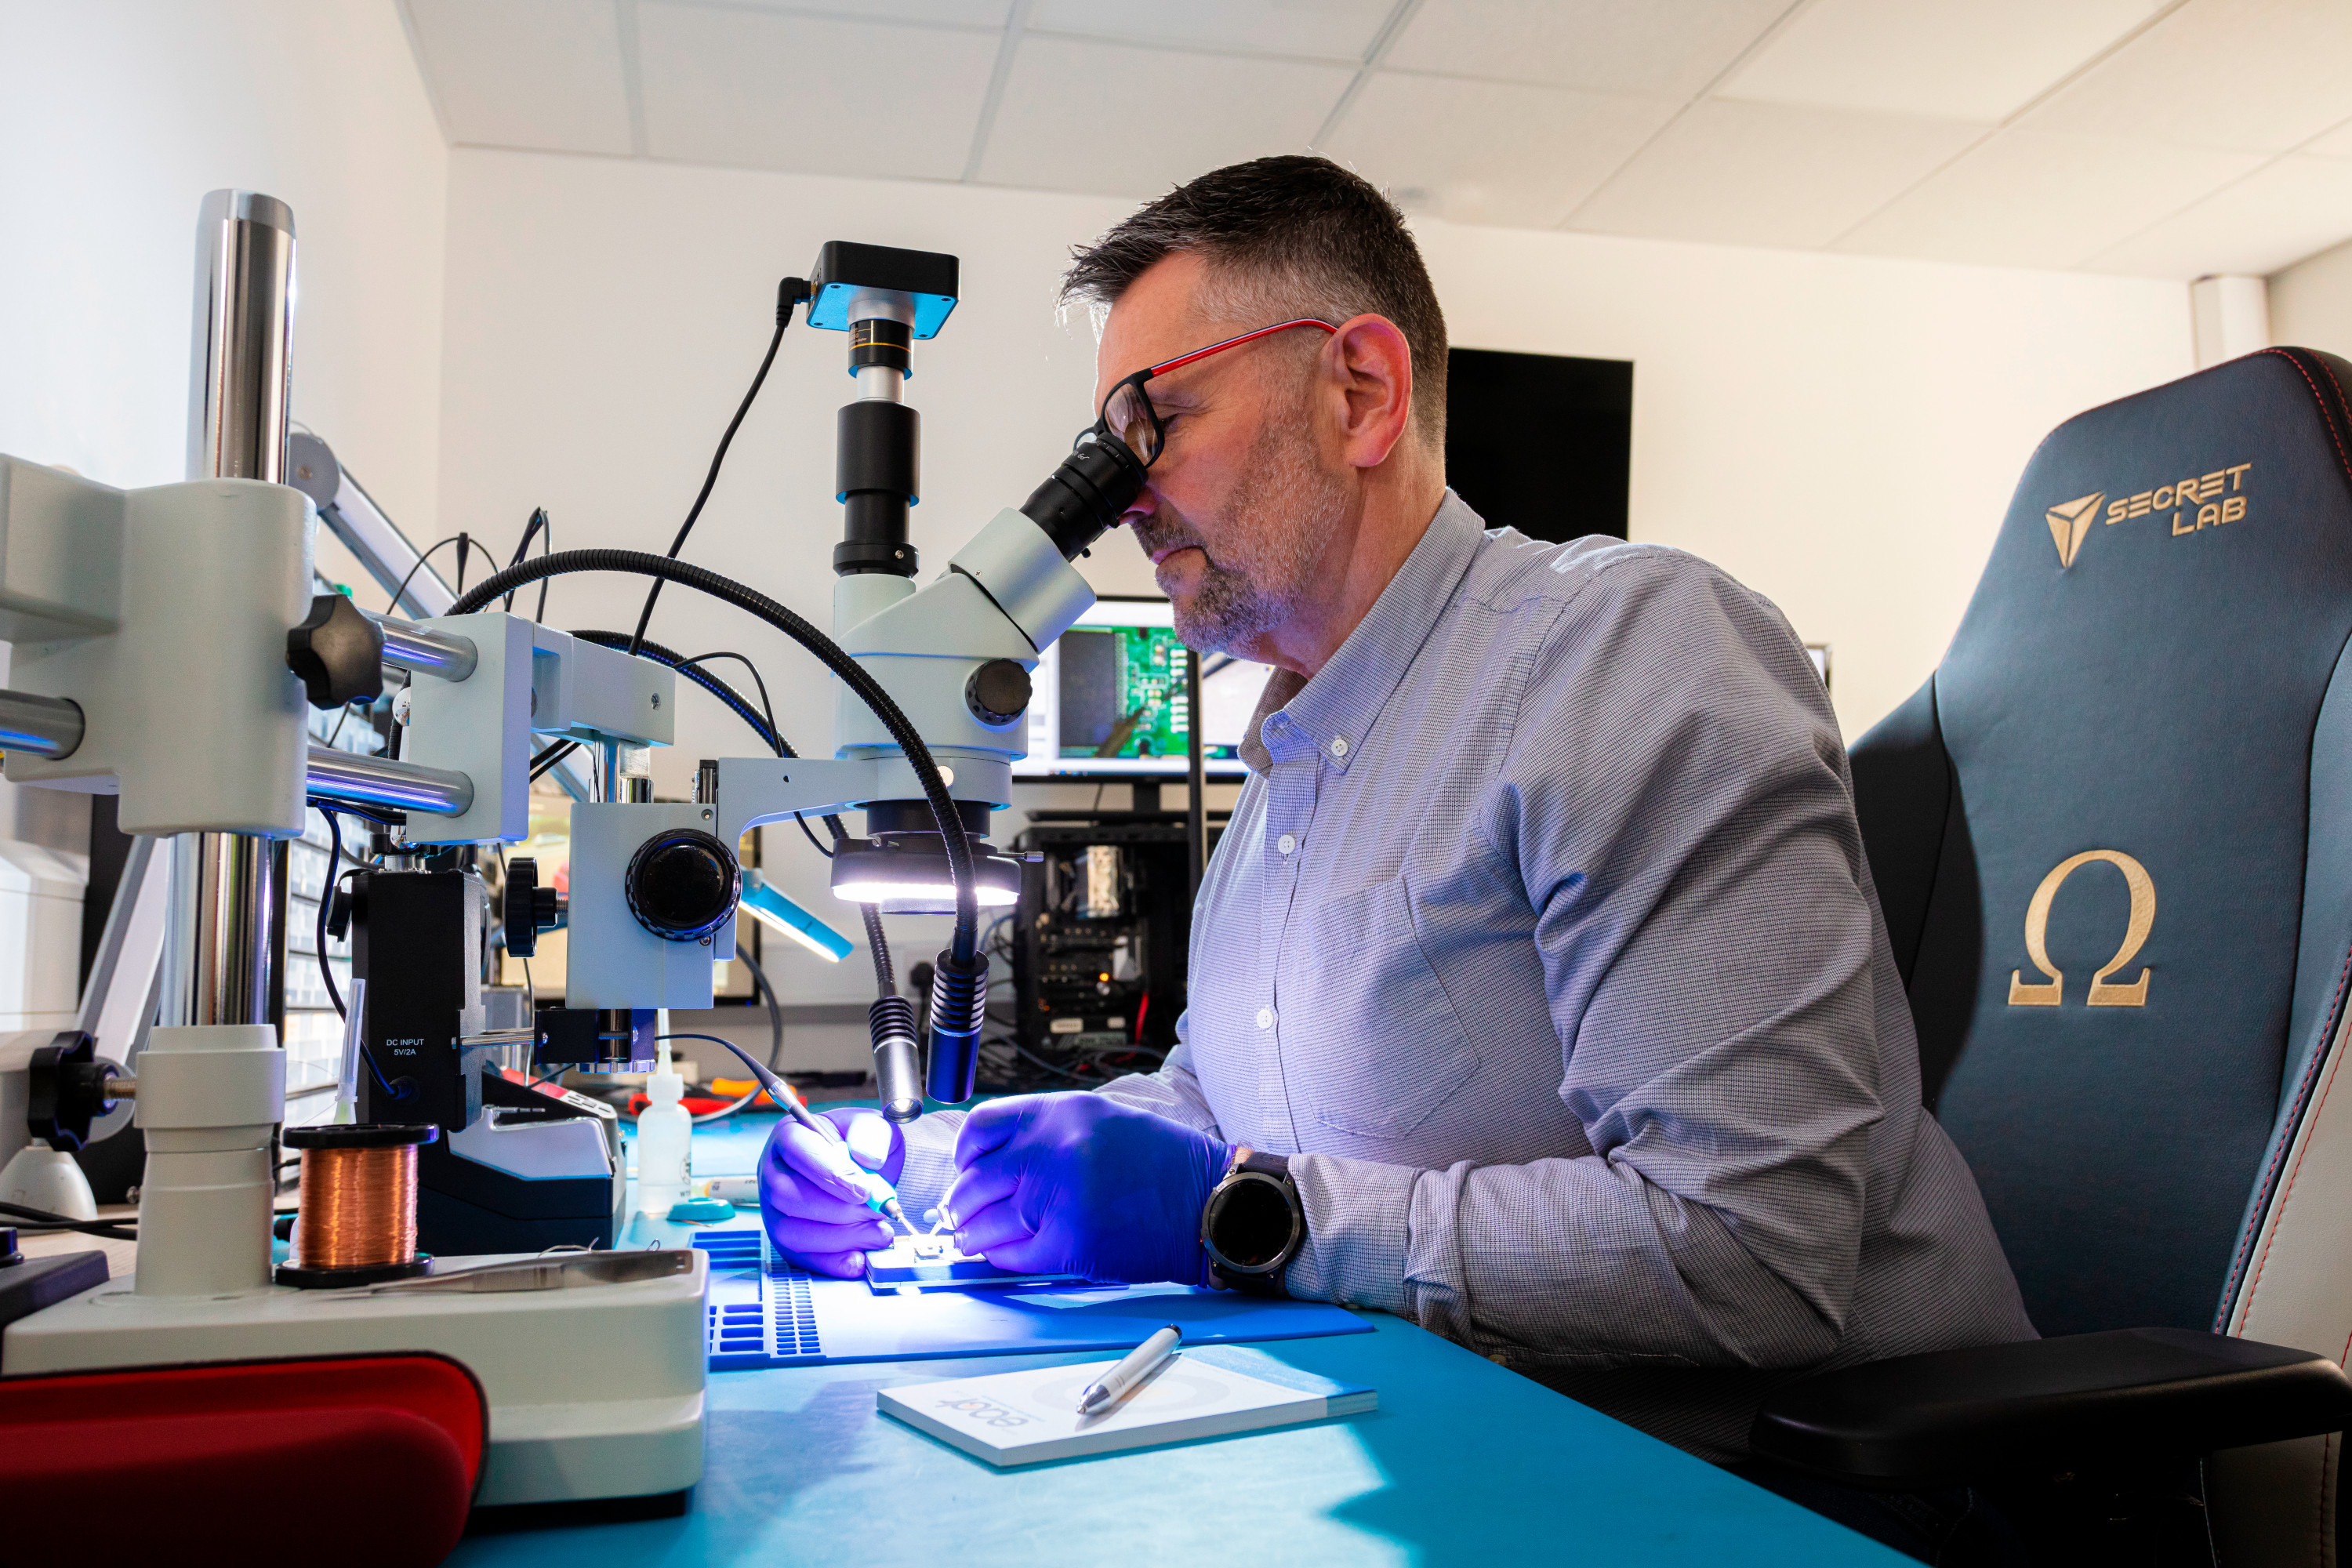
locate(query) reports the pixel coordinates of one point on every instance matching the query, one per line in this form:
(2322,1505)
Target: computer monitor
(1109,701)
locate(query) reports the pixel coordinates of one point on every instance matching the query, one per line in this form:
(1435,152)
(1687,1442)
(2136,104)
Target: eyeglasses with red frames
(1128,413)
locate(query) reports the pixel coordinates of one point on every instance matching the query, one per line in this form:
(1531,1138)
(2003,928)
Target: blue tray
(762,1312)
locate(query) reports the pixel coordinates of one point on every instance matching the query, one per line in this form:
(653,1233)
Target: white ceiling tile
(965,13)
(1483,152)
(2256,76)
(527,73)
(1961,59)
(2031,199)
(777,92)
(1080,116)
(2272,218)
(1329,29)
(1670,48)
(1766,173)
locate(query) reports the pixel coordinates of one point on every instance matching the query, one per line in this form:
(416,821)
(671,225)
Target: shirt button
(1338,745)
(1265,1017)
(1286,844)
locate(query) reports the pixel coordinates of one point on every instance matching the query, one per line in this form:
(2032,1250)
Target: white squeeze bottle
(665,1131)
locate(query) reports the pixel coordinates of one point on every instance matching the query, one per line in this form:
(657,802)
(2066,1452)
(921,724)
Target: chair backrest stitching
(2328,418)
(2336,1065)
(2320,1057)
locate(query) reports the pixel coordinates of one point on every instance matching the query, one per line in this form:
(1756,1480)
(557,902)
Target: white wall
(2311,302)
(1842,433)
(116,117)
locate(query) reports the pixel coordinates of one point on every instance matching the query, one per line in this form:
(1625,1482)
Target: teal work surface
(1462,1463)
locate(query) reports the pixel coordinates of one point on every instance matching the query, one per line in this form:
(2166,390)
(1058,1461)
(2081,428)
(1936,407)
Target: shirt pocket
(1367,1028)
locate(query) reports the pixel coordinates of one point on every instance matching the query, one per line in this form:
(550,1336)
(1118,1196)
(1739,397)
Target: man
(1540,959)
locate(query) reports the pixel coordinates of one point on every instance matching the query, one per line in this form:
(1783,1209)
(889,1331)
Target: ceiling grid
(2164,138)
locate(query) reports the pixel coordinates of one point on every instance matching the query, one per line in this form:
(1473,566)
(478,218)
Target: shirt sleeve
(930,1169)
(1676,809)
(1173,1092)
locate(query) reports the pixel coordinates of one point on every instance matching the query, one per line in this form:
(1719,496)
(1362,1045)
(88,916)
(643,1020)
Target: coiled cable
(966,938)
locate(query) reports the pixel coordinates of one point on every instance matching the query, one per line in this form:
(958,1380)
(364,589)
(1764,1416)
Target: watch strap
(1269,1282)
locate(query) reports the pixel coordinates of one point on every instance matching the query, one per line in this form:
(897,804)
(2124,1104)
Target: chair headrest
(2130,708)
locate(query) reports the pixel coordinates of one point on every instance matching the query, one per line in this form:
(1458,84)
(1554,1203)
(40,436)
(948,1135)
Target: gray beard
(1287,507)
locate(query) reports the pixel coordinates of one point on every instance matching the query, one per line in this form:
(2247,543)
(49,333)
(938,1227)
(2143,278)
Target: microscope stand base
(565,1424)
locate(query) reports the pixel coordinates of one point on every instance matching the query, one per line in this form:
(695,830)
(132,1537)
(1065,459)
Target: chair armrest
(2042,1407)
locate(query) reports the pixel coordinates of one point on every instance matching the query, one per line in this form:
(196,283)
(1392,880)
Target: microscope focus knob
(528,908)
(338,652)
(681,884)
(997,692)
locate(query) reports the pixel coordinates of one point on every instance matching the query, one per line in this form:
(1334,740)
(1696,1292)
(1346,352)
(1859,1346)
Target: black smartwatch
(1253,1225)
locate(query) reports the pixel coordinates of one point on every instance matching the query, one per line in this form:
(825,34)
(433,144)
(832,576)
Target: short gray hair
(1291,235)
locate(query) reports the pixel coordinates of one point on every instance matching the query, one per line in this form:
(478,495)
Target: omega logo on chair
(2104,992)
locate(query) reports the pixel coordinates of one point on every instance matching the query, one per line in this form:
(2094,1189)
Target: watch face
(1251,1223)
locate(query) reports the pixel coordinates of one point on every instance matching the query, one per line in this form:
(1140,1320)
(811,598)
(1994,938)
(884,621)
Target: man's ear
(1369,364)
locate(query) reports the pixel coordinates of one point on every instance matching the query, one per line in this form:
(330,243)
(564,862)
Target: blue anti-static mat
(763,1311)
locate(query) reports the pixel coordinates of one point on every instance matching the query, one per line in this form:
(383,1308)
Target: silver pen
(1133,1368)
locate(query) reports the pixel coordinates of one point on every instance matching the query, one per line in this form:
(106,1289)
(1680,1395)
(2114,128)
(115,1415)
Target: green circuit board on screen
(1134,677)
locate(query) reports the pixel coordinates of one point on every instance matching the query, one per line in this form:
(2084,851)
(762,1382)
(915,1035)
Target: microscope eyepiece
(1085,496)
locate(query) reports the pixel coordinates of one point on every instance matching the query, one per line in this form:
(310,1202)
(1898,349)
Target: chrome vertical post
(224,960)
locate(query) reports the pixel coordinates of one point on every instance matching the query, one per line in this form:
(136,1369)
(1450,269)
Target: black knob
(681,884)
(66,1090)
(338,652)
(526,908)
(997,692)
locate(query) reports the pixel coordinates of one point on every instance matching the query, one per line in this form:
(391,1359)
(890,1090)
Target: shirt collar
(1329,714)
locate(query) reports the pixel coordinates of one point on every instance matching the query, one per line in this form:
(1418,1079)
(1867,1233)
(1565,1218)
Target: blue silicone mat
(762,1312)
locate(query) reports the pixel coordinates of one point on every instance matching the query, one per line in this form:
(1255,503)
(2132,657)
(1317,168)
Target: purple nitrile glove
(1074,1184)
(816,1218)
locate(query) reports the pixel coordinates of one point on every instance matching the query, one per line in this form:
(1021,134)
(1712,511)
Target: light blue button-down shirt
(1543,942)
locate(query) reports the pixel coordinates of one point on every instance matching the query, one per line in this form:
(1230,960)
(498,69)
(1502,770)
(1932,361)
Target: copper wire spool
(357,1206)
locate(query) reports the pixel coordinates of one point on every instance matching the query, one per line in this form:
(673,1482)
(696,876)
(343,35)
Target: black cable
(767,709)
(327,903)
(876,943)
(529,529)
(393,608)
(112,1229)
(775,1008)
(763,727)
(322,803)
(553,754)
(885,980)
(391,1095)
(791,291)
(724,1111)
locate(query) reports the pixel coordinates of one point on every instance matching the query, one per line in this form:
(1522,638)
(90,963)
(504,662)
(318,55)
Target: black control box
(1102,930)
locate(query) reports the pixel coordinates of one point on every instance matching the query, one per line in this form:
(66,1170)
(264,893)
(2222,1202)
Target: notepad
(1026,1416)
